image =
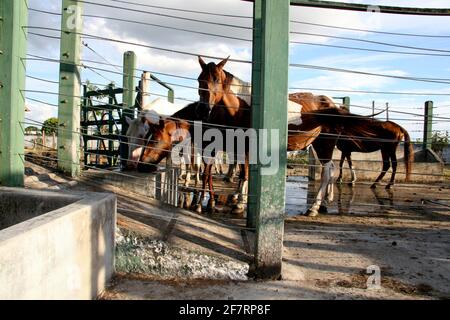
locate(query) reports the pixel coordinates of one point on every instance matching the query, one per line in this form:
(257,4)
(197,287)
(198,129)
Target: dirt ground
(404,232)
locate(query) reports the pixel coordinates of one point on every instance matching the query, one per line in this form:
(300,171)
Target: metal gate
(101,125)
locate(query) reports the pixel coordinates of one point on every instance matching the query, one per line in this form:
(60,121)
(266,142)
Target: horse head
(159,141)
(213,83)
(137,129)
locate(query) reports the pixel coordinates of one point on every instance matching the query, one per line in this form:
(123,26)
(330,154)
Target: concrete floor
(324,257)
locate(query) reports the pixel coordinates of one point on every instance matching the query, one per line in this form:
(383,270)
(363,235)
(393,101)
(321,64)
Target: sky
(148,27)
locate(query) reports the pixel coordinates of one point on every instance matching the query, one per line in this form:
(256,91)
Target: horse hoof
(312,213)
(351,184)
(339,181)
(197,208)
(238,212)
(389,186)
(227,179)
(211,207)
(187,204)
(374,186)
(323,209)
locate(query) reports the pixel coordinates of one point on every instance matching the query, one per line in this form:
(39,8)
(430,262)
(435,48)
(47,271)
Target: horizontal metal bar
(160,82)
(370,8)
(109,153)
(103,107)
(101,137)
(104,92)
(97,123)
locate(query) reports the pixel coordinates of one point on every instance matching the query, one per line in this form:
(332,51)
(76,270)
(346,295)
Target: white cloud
(184,65)
(39,112)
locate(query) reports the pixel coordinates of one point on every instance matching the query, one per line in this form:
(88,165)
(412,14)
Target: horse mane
(228,80)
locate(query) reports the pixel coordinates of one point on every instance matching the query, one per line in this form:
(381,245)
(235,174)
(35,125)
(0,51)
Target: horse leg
(330,189)
(326,178)
(239,208)
(195,168)
(183,167)
(229,176)
(329,194)
(341,164)
(394,170)
(218,163)
(386,165)
(211,207)
(352,171)
(198,205)
(187,180)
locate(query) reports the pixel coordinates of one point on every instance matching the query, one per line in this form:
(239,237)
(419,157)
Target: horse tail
(408,154)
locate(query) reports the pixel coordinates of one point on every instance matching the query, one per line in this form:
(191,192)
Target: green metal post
(428,125)
(346,101)
(110,124)
(128,99)
(70,88)
(129,80)
(256,105)
(13,47)
(270,112)
(171,96)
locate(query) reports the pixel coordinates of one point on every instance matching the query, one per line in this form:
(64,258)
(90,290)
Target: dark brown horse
(389,134)
(309,116)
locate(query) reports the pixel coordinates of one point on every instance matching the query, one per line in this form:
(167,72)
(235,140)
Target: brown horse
(389,136)
(309,116)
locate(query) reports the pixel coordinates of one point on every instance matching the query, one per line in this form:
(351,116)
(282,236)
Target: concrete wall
(67,253)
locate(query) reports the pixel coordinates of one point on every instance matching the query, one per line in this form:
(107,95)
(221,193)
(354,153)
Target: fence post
(373,109)
(346,101)
(269,111)
(427,125)
(13,43)
(171,96)
(129,82)
(256,92)
(70,88)
(387,111)
(145,88)
(128,96)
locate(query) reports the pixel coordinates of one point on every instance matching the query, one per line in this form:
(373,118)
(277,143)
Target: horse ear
(202,62)
(128,120)
(223,63)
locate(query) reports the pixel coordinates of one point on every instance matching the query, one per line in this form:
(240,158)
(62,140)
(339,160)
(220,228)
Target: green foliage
(31,129)
(50,126)
(439,141)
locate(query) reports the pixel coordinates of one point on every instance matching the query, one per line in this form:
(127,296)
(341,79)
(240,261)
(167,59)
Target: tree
(50,126)
(31,129)
(439,141)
